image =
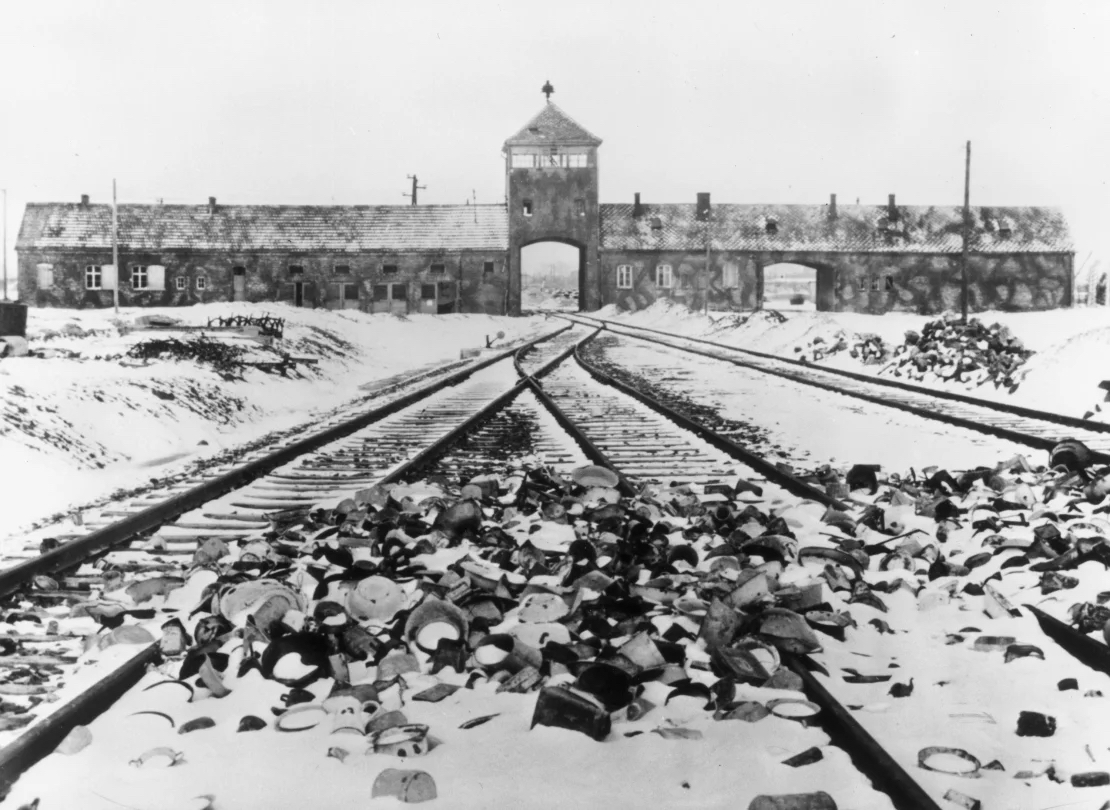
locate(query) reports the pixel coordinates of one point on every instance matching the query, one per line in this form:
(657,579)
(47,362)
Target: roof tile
(856,229)
(255,227)
(553,126)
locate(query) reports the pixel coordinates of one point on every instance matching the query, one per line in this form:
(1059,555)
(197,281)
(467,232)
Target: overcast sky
(336,102)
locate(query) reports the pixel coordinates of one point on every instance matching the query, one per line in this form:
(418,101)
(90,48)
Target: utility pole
(5,245)
(415,187)
(115,249)
(708,242)
(967,230)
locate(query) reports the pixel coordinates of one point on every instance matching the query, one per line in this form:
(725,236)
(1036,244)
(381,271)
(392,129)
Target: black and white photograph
(620,405)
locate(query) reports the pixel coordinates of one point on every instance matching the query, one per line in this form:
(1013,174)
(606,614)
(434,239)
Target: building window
(148,277)
(45,273)
(657,225)
(296,270)
(438,268)
(92,277)
(888,283)
(1004,232)
(139,277)
(861,282)
(487,269)
(664,277)
(771,226)
(202,282)
(527,208)
(730,277)
(342,269)
(624,277)
(523,161)
(389,269)
(874,283)
(180,281)
(580,207)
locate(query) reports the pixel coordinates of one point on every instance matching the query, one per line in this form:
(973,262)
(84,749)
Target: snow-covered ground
(1072,345)
(89,420)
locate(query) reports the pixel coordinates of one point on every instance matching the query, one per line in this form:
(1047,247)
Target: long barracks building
(467,258)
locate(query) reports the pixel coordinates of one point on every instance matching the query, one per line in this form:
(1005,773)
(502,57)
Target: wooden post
(967,231)
(4,247)
(115,249)
(708,242)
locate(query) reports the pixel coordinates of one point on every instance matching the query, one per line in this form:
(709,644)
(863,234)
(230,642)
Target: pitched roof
(553,126)
(857,228)
(268,227)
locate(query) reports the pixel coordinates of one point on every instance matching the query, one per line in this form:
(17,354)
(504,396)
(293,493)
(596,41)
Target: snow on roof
(552,126)
(267,227)
(856,228)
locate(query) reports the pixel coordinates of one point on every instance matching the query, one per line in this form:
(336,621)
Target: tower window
(771,226)
(580,207)
(527,208)
(664,276)
(624,277)
(523,161)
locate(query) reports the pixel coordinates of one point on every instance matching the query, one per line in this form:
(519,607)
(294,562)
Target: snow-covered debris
(969,353)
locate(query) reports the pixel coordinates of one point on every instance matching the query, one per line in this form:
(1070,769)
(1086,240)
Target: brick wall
(267,277)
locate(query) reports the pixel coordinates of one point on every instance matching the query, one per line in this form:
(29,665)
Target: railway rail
(453,428)
(1039,429)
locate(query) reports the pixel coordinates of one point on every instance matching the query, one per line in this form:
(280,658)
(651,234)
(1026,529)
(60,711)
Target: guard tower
(551,192)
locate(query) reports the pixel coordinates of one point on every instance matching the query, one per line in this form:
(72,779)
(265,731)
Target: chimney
(211,205)
(832,206)
(84,200)
(703,206)
(891,209)
(637,209)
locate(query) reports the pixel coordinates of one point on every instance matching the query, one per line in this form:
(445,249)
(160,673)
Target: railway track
(1038,429)
(547,407)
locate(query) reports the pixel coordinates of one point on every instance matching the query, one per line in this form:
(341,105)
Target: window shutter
(155,277)
(45,275)
(107,276)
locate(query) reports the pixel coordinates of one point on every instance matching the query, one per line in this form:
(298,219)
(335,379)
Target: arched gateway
(551,194)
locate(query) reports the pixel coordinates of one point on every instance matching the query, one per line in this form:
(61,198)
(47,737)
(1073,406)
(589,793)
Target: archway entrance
(791,287)
(551,276)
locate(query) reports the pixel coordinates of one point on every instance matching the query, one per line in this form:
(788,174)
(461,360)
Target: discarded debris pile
(972,354)
(675,610)
(819,348)
(224,358)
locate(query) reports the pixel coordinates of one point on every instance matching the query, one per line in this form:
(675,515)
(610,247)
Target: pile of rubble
(869,349)
(972,354)
(618,609)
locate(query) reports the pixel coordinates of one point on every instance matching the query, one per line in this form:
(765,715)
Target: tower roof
(552,126)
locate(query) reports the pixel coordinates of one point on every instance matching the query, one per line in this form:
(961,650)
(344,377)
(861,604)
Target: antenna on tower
(415,187)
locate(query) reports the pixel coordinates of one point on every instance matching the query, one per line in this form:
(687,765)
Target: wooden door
(399,298)
(298,293)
